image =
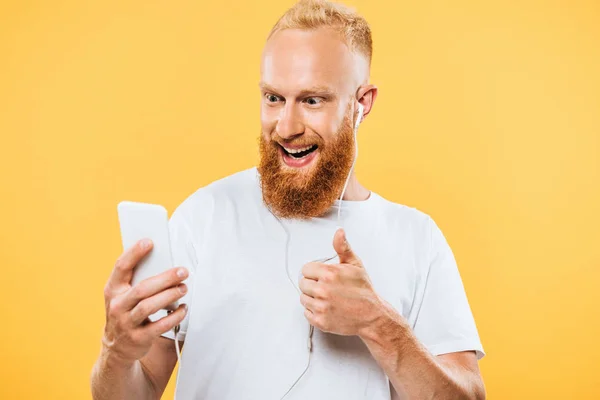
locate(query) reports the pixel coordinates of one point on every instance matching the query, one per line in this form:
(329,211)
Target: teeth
(293,151)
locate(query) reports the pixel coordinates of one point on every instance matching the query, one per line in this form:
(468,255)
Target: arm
(135,361)
(146,378)
(412,370)
(113,379)
(340,298)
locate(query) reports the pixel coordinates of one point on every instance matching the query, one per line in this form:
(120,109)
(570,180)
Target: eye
(313,101)
(271,98)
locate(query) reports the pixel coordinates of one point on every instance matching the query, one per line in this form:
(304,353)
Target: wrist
(385,323)
(113,359)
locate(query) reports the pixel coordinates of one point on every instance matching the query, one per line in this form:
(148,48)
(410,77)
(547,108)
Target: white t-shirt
(246,333)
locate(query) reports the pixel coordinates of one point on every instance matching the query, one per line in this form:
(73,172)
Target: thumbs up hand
(339,298)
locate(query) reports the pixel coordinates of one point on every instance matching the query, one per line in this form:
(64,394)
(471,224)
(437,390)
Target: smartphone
(143,220)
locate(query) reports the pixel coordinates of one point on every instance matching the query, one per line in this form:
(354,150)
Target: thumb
(342,248)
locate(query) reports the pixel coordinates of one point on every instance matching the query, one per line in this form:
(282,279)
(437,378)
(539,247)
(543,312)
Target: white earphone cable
(178,352)
(311,328)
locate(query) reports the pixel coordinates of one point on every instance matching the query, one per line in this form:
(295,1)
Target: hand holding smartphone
(142,283)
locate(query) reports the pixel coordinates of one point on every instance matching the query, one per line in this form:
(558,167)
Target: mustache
(302,141)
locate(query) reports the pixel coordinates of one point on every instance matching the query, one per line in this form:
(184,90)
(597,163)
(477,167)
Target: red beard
(297,194)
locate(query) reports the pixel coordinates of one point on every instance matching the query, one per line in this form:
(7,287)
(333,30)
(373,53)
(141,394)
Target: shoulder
(403,216)
(411,226)
(229,187)
(213,204)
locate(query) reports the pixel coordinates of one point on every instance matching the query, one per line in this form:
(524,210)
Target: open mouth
(300,153)
(300,157)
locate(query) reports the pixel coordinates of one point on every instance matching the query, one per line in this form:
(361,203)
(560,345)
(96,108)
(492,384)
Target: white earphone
(361,109)
(311,328)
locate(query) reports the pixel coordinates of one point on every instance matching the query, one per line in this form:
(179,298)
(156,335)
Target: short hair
(314,14)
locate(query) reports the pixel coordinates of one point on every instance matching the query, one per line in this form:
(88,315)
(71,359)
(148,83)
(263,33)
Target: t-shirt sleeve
(445,323)
(183,255)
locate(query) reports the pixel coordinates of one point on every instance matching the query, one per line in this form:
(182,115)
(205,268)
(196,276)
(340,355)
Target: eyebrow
(314,90)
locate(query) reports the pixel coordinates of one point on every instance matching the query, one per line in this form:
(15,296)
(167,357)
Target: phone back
(143,220)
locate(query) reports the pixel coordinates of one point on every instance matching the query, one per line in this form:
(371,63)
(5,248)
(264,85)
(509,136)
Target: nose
(290,123)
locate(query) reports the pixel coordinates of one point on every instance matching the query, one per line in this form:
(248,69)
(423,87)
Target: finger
(123,270)
(310,316)
(167,323)
(313,270)
(308,302)
(342,248)
(153,285)
(309,287)
(159,301)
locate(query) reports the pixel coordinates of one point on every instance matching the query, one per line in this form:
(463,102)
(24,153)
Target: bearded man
(270,313)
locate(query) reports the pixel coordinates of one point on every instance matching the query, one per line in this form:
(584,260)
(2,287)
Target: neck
(355,191)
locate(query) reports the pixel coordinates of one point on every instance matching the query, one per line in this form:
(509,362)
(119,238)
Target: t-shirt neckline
(354,204)
(346,204)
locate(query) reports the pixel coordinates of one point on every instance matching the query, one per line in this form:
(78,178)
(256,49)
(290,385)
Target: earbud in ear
(361,109)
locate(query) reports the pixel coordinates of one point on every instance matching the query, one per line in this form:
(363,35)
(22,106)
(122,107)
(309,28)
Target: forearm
(413,371)
(113,379)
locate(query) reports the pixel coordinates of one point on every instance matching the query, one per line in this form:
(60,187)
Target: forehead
(295,59)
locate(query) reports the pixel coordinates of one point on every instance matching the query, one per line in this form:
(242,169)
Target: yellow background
(487,119)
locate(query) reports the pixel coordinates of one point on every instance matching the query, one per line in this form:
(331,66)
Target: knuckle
(164,324)
(137,292)
(177,319)
(332,269)
(113,309)
(107,292)
(322,292)
(140,311)
(303,299)
(318,321)
(306,268)
(329,275)
(134,336)
(321,308)
(145,311)
(121,264)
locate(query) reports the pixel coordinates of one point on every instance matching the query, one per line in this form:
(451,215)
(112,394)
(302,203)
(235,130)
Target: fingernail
(182,288)
(185,308)
(146,243)
(181,272)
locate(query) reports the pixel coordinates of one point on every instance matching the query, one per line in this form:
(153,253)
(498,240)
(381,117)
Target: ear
(366,96)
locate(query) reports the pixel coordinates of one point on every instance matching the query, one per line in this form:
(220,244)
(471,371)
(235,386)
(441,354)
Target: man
(389,316)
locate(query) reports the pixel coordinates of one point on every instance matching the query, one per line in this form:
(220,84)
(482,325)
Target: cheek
(268,119)
(325,126)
